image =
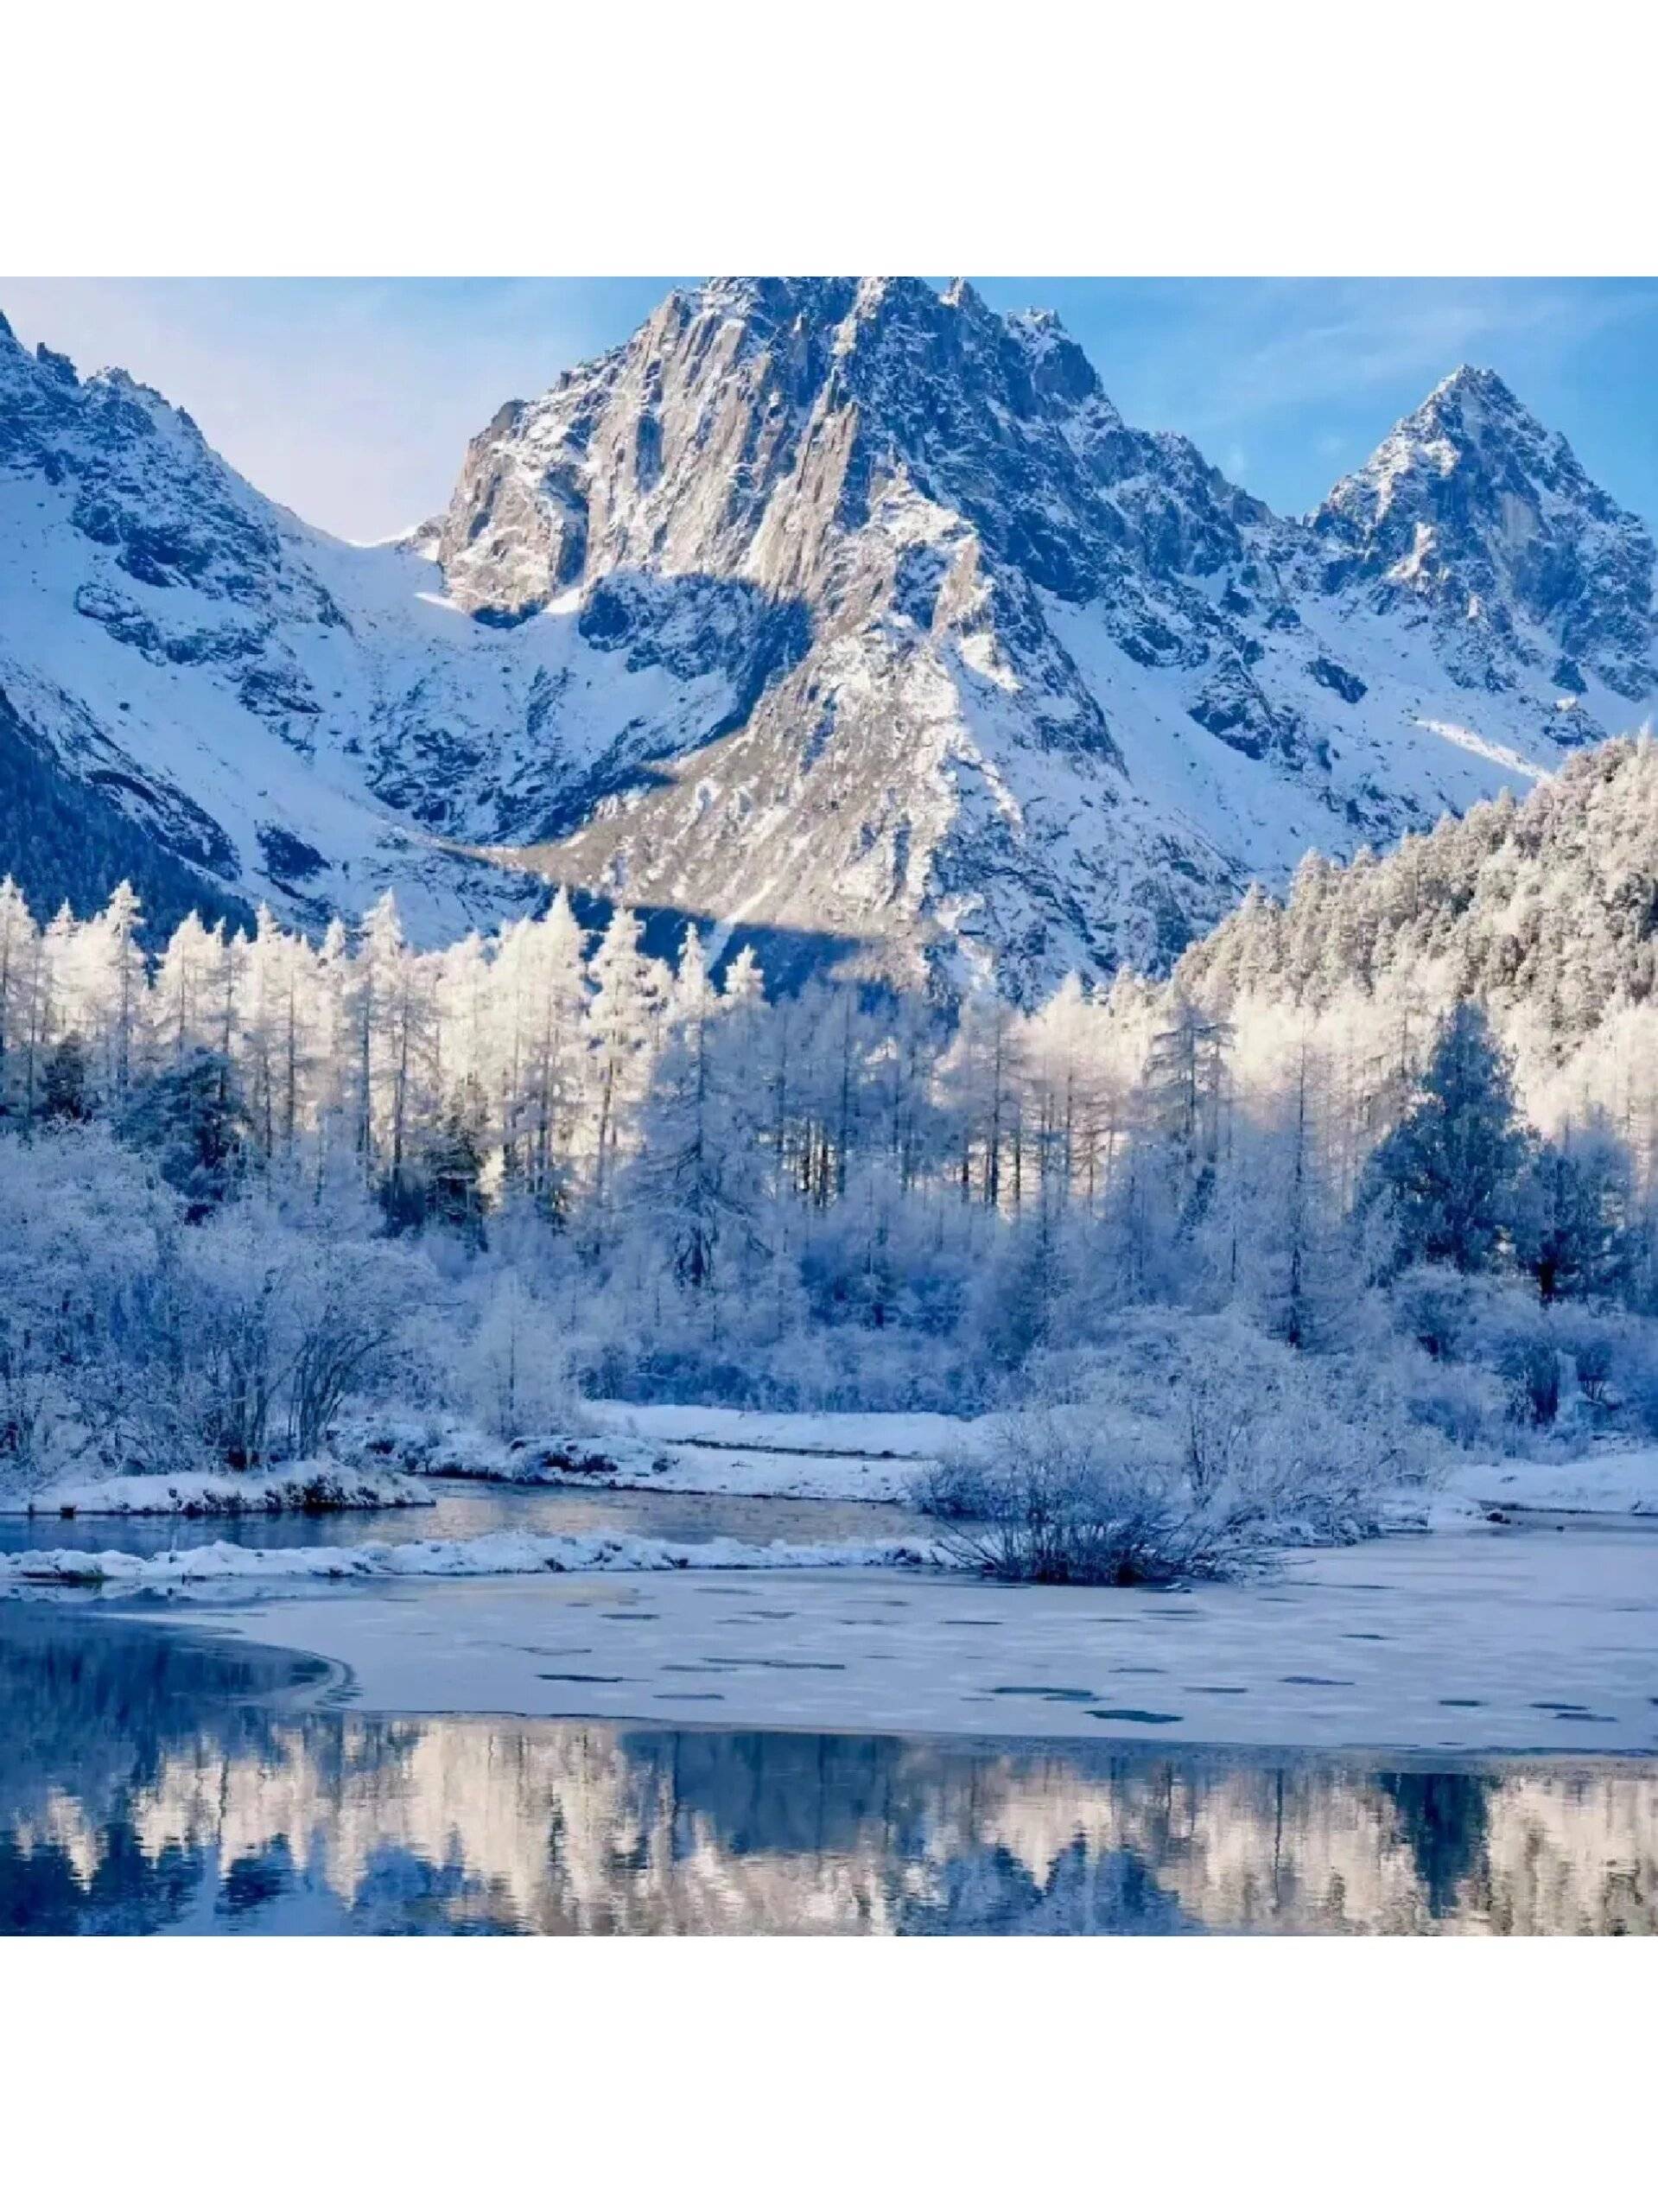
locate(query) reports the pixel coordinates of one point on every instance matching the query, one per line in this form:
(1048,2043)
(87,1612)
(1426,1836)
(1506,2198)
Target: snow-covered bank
(880,1459)
(767,1470)
(834,1435)
(713,1451)
(439,1446)
(1608,1482)
(505,1554)
(306,1486)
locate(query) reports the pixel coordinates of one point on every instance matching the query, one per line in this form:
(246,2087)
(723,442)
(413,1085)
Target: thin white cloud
(1321,344)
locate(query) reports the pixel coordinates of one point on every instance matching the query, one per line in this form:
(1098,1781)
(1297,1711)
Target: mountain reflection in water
(152,1782)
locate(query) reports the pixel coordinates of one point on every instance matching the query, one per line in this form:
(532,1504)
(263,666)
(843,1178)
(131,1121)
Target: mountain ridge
(837,606)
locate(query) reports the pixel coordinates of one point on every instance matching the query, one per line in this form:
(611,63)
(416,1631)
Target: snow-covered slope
(1544,909)
(292,718)
(842,609)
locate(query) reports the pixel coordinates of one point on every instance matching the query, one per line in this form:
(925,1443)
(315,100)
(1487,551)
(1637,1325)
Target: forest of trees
(543,1161)
(1545,909)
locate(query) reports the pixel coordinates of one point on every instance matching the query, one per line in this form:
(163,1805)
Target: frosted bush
(957,1486)
(85,1238)
(1191,1447)
(1465,1406)
(513,1372)
(1531,1366)
(1056,1504)
(1594,1356)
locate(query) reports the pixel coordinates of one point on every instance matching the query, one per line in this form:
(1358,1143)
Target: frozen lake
(151,1781)
(1453,1733)
(1483,1639)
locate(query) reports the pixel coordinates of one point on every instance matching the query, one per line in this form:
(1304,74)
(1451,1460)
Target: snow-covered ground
(436,1445)
(506,1552)
(306,1486)
(1483,1638)
(1608,1482)
(717,1451)
(731,1452)
(739,1453)
(843,1435)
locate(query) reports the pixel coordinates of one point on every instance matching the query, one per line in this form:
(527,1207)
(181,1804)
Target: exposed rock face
(1472,512)
(1038,644)
(827,606)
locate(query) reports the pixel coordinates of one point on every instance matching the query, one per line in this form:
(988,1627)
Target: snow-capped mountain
(1472,512)
(840,610)
(270,714)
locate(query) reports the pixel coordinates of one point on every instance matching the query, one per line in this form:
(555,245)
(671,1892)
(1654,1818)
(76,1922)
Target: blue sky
(353,399)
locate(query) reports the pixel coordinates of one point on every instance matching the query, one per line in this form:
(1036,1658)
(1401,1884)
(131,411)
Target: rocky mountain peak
(1474,510)
(848,614)
(747,423)
(1471,434)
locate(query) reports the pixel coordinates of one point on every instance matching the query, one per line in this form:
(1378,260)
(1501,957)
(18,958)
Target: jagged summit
(1469,384)
(846,611)
(1474,510)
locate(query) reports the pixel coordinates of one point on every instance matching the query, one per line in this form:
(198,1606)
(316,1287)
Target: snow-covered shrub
(1594,1356)
(1530,1364)
(1465,1406)
(1635,1389)
(1187,1446)
(1059,1504)
(86,1238)
(513,1370)
(1479,1358)
(1613,1358)
(958,1486)
(1434,1306)
(134,1340)
(283,1315)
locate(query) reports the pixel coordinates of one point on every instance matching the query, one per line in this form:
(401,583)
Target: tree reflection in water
(150,1783)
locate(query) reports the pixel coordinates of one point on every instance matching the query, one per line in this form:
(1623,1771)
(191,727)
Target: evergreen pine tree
(65,1083)
(192,1119)
(1449,1168)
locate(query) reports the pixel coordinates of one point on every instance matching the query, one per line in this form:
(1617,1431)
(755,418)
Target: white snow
(440,1445)
(505,1553)
(735,1452)
(845,1436)
(1608,1482)
(716,1451)
(307,1486)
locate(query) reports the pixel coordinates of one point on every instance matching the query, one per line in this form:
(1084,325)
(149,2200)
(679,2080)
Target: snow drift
(503,1554)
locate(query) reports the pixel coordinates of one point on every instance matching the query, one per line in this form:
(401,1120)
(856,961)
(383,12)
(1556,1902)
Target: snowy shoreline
(861,1458)
(724,1452)
(703,1451)
(505,1554)
(304,1486)
(1622,1483)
